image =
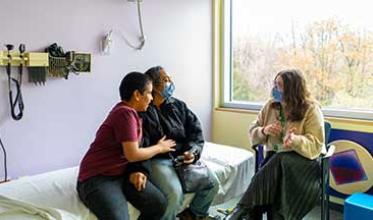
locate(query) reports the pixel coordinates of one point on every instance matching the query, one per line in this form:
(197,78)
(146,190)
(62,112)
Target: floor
(313,215)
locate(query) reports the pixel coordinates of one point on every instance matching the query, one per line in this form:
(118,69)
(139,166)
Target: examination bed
(52,195)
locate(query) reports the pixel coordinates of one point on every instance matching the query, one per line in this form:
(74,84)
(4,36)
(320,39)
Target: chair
(324,170)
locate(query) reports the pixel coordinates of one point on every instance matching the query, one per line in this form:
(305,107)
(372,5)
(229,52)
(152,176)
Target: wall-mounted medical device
(107,40)
(28,59)
(19,58)
(62,63)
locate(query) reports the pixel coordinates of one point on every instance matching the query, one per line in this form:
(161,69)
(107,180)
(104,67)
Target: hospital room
(186,110)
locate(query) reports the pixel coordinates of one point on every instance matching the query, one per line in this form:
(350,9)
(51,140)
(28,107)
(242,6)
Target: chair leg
(327,195)
(324,193)
(322,202)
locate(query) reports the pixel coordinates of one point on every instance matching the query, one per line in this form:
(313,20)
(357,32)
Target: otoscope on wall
(18,100)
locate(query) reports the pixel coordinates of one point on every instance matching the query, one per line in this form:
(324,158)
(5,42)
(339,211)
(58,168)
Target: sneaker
(188,215)
(217,217)
(238,213)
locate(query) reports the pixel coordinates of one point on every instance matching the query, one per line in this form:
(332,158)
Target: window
(330,41)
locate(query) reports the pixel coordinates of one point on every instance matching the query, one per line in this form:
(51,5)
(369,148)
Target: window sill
(366,122)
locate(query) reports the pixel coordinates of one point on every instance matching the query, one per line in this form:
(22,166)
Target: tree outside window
(333,52)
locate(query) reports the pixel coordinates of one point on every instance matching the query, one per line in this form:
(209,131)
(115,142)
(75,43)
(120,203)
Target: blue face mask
(277,94)
(168,90)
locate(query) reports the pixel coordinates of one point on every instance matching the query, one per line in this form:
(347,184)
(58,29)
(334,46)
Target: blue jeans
(164,176)
(106,197)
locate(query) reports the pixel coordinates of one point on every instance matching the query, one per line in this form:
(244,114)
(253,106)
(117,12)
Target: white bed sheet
(56,191)
(233,166)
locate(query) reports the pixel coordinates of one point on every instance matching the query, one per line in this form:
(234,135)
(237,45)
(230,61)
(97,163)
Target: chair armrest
(258,155)
(330,151)
(255,147)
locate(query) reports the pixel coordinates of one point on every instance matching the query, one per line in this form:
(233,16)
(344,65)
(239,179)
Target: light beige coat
(309,138)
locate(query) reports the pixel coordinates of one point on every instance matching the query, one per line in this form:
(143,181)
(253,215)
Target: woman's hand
(166,145)
(188,157)
(273,129)
(289,137)
(138,179)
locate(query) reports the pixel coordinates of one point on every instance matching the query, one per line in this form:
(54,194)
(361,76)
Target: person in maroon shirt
(106,181)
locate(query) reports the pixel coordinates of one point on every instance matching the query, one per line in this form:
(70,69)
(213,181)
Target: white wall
(61,118)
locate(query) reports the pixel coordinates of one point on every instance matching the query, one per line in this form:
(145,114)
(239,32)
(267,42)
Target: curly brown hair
(296,94)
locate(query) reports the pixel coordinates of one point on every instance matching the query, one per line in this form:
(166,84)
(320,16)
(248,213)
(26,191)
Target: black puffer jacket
(175,120)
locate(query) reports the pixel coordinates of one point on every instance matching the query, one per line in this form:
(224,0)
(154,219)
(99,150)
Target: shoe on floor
(238,213)
(188,215)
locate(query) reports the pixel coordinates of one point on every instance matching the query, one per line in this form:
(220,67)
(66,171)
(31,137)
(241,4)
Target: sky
(262,17)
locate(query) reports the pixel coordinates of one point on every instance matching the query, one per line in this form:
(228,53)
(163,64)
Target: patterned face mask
(277,94)
(168,90)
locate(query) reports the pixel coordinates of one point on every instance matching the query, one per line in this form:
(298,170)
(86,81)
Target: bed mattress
(52,195)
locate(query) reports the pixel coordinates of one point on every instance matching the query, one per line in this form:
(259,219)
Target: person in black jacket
(170,117)
(106,181)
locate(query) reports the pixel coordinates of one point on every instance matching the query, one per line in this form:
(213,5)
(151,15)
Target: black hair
(155,74)
(131,82)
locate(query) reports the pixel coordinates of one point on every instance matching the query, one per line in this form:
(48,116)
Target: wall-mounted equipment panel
(29,59)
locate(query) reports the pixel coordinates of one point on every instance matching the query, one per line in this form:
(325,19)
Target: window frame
(226,92)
